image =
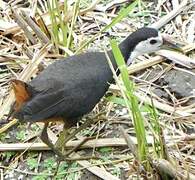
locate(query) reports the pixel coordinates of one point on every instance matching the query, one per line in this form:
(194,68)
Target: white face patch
(148,46)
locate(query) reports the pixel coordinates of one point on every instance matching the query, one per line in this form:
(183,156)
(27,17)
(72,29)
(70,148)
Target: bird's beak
(169,44)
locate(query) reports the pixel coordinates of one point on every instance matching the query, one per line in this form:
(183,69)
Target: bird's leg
(83,126)
(44,137)
(63,140)
(79,145)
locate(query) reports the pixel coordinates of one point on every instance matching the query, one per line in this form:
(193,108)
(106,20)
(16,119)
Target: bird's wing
(67,102)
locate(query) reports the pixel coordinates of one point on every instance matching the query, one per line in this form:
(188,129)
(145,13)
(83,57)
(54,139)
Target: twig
(90,8)
(165,19)
(35,28)
(23,26)
(8,125)
(100,172)
(144,64)
(177,58)
(129,142)
(178,19)
(83,141)
(112,142)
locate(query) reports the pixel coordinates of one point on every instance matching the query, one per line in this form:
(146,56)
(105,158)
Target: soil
(180,84)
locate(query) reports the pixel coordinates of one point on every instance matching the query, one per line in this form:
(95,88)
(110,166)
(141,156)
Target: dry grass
(22,49)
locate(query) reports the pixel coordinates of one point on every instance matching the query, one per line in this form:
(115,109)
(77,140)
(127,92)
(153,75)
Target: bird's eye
(153,41)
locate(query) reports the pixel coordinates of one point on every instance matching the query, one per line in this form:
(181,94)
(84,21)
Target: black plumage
(68,88)
(71,87)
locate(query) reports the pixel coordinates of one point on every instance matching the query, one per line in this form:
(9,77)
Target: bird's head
(145,40)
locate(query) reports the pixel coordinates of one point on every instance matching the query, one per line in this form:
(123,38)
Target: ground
(171,87)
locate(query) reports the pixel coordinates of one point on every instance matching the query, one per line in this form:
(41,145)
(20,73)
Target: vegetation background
(147,130)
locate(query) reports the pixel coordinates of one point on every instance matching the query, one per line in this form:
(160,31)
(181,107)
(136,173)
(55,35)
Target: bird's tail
(22,94)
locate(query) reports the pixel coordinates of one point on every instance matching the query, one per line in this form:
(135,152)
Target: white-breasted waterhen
(71,87)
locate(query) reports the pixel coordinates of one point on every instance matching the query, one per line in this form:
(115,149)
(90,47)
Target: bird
(71,87)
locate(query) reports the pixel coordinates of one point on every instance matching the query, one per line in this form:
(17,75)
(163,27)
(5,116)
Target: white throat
(146,46)
(132,56)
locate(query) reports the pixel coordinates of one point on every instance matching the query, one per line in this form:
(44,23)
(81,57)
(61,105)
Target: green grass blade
(54,33)
(123,13)
(63,26)
(74,17)
(116,100)
(134,106)
(159,146)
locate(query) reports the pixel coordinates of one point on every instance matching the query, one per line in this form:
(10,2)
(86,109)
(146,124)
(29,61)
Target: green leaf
(116,100)
(105,149)
(62,168)
(50,163)
(32,163)
(21,135)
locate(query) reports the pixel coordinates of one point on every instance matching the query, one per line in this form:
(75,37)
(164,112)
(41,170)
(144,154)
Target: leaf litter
(169,82)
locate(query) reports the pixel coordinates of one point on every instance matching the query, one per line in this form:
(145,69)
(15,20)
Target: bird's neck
(127,49)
